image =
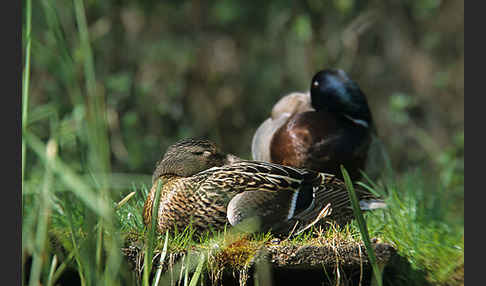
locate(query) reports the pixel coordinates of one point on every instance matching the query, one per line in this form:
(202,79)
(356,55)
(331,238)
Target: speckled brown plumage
(181,203)
(230,191)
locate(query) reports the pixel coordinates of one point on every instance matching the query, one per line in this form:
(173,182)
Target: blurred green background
(167,70)
(113,83)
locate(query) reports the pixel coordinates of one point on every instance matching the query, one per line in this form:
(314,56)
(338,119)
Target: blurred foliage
(174,69)
(114,82)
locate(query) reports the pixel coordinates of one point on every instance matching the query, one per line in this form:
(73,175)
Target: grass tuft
(362,226)
(417,225)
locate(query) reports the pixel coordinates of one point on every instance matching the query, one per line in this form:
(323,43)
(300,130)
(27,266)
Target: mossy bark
(280,262)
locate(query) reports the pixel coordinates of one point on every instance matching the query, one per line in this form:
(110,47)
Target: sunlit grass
(418,226)
(418,232)
(72,217)
(426,241)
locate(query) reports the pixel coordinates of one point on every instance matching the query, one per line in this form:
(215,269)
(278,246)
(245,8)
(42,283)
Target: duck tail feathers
(371,204)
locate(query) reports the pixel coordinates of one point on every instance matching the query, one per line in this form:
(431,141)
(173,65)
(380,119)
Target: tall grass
(70,215)
(26,78)
(362,227)
(149,249)
(25,98)
(417,222)
(43,210)
(83,223)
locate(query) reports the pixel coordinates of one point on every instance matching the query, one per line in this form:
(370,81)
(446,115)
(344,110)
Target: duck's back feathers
(320,142)
(282,111)
(292,103)
(279,196)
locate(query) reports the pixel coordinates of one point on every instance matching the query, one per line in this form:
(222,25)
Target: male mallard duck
(320,130)
(207,188)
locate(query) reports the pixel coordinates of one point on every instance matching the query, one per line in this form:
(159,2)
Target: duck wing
(274,196)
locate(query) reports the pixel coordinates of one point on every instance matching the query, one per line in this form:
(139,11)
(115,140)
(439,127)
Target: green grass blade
(125,200)
(44,213)
(26,79)
(197,273)
(51,270)
(61,268)
(85,46)
(186,272)
(77,257)
(151,236)
(75,183)
(97,132)
(362,226)
(161,260)
(370,189)
(99,246)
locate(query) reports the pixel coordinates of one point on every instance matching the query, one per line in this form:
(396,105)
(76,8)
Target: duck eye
(315,83)
(202,153)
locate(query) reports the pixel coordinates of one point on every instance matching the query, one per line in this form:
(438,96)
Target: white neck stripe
(357,121)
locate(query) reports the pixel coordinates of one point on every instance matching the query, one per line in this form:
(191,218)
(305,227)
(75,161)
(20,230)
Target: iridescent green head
(332,90)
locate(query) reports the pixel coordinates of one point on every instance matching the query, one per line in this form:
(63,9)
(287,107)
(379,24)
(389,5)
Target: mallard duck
(207,189)
(322,129)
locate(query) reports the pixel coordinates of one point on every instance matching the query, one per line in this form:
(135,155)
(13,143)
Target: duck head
(333,91)
(190,156)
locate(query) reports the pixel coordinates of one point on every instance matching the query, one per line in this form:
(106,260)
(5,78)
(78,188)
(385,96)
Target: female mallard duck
(322,130)
(206,188)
